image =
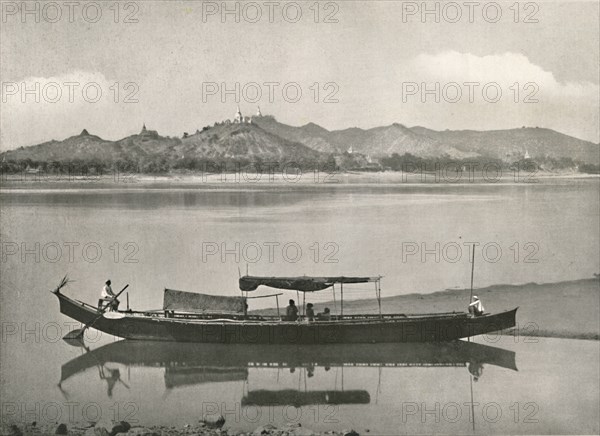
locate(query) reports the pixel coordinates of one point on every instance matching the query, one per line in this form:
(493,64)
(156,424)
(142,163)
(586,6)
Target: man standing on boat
(291,311)
(107,295)
(476,308)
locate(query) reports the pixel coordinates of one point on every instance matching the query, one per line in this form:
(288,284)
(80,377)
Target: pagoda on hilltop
(239,118)
(147,134)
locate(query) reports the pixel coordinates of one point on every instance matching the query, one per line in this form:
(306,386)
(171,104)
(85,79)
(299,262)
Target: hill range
(265,139)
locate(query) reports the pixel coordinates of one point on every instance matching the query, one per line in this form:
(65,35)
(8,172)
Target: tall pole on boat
(472,274)
(334,303)
(303,303)
(342,298)
(378,293)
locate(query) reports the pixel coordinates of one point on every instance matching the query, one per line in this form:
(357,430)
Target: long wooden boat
(190,317)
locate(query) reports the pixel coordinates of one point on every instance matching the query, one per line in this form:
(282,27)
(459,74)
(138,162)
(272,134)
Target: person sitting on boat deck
(310,313)
(106,296)
(291,312)
(325,315)
(476,308)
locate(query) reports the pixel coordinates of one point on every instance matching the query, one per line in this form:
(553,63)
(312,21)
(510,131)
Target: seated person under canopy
(291,312)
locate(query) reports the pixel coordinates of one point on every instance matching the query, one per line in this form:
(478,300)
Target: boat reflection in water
(196,364)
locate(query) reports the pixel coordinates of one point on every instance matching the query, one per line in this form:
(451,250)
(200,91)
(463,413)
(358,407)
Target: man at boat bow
(107,295)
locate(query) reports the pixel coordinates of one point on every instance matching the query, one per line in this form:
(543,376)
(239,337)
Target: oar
(78,334)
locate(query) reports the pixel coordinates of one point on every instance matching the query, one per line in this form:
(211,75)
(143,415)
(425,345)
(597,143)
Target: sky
(110,67)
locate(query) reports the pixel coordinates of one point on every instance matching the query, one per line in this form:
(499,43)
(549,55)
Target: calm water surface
(535,386)
(176,238)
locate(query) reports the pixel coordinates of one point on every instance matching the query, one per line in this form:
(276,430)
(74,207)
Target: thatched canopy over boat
(303,284)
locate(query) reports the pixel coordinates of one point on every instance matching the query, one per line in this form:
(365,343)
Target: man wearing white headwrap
(107,295)
(476,308)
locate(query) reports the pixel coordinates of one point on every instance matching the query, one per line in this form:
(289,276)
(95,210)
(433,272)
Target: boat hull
(440,328)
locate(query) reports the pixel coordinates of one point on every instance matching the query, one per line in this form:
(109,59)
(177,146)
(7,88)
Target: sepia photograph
(299,218)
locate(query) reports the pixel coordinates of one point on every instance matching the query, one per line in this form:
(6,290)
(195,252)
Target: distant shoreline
(308,178)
